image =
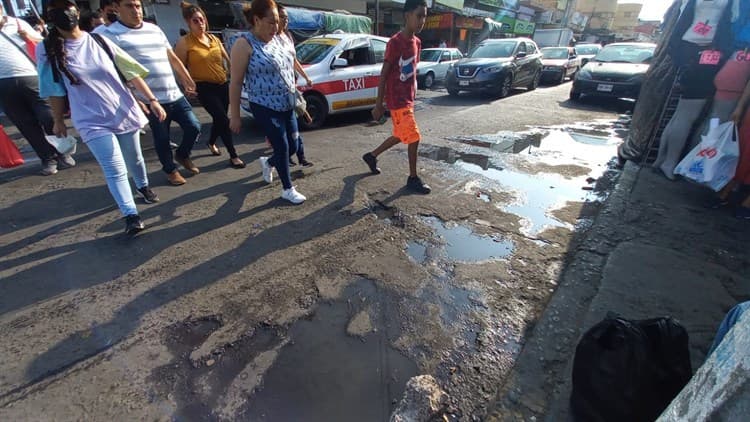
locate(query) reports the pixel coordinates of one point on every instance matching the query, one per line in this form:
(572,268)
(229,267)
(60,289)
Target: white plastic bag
(65,145)
(714,161)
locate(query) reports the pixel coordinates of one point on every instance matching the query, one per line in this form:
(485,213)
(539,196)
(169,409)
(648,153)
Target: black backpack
(629,370)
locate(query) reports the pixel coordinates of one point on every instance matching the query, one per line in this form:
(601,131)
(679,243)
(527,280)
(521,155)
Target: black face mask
(65,19)
(112,17)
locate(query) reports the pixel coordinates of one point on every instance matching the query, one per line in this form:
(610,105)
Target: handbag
(10,156)
(65,146)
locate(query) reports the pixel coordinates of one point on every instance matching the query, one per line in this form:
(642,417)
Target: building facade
(626,20)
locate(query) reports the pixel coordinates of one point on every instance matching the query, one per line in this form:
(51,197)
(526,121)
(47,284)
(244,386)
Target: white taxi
(345,70)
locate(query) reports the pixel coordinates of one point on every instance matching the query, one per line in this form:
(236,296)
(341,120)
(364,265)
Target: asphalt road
(235,305)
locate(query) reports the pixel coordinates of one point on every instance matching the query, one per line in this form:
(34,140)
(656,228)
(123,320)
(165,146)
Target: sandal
(214,149)
(239,165)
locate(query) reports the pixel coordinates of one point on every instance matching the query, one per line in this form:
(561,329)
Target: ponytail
(54,47)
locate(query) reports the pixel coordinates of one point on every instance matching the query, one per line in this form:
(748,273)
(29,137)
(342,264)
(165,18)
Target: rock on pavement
(423,400)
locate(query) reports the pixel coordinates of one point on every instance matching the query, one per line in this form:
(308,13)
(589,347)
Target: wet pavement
(233,305)
(543,168)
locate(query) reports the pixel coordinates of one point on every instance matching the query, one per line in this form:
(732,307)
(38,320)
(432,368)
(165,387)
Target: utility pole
(377,17)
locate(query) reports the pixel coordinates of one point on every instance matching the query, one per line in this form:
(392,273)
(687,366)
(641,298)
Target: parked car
(497,66)
(559,63)
(345,70)
(617,71)
(586,52)
(434,63)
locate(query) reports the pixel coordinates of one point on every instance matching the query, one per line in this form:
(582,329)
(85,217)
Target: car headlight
(584,74)
(492,69)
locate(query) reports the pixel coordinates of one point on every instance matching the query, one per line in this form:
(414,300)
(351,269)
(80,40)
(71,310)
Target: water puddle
(323,374)
(317,371)
(460,244)
(544,168)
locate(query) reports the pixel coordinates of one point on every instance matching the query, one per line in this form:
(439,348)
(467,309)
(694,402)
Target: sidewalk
(653,251)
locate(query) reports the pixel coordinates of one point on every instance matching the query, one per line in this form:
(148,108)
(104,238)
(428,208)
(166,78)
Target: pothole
(543,168)
(326,374)
(459,243)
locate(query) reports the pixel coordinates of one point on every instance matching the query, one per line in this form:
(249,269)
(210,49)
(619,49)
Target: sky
(652,9)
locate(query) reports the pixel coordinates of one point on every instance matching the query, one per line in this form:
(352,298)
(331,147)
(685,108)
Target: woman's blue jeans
(118,154)
(280,127)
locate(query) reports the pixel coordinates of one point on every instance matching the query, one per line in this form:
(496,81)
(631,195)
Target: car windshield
(430,55)
(493,50)
(625,54)
(314,50)
(587,49)
(555,53)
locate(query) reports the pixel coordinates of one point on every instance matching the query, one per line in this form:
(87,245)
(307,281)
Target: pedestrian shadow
(80,346)
(59,269)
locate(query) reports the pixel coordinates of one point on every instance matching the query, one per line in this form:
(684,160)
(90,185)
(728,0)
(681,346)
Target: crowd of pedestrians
(115,73)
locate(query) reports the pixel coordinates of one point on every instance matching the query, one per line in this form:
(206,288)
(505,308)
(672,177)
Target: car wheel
(575,96)
(505,88)
(453,92)
(429,80)
(535,81)
(317,108)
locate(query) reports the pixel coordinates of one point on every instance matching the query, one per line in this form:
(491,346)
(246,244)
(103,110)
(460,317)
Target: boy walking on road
(398,84)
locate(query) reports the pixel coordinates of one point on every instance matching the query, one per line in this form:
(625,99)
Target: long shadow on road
(78,347)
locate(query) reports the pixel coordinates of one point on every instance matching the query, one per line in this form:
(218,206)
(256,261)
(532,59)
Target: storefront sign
(524,27)
(469,23)
(441,21)
(472,12)
(455,4)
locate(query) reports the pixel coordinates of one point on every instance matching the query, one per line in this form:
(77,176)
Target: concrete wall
(720,389)
(626,17)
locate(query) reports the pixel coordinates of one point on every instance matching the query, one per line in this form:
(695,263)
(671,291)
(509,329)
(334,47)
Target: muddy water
(460,244)
(543,168)
(323,374)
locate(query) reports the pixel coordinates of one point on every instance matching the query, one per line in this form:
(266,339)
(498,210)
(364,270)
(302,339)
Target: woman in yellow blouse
(207,61)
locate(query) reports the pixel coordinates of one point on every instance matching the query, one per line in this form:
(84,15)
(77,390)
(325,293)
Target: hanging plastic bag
(10,156)
(66,145)
(714,161)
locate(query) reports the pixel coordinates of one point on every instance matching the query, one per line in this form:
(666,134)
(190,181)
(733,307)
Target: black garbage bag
(630,371)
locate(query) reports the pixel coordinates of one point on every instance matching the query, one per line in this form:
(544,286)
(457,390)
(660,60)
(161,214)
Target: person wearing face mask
(91,71)
(148,45)
(205,58)
(108,10)
(19,92)
(262,61)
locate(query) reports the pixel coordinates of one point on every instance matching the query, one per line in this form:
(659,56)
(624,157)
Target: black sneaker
(305,163)
(292,163)
(133,224)
(372,162)
(148,195)
(417,185)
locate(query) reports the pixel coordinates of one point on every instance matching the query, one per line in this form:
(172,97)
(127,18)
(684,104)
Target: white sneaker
(293,196)
(267,170)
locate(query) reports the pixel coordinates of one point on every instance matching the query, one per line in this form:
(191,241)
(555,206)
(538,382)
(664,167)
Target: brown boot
(188,164)
(175,178)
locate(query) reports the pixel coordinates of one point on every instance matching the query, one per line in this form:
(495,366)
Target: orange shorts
(405,126)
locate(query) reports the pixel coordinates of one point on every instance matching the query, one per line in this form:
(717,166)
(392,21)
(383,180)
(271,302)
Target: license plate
(463,83)
(605,87)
